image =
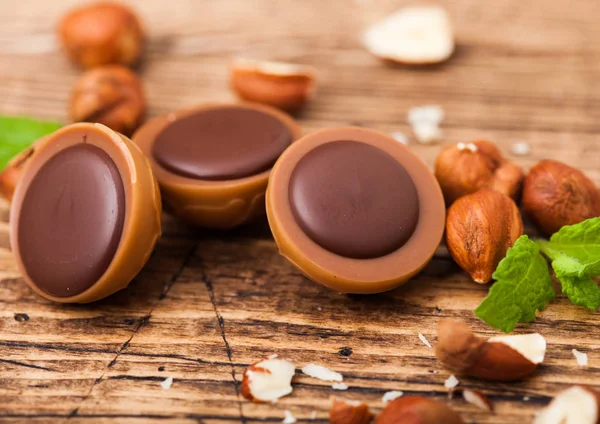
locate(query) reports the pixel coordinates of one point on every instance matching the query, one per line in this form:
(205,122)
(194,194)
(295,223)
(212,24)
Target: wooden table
(209,303)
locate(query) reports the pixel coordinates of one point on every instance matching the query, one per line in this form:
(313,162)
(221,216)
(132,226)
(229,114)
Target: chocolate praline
(86,214)
(354,210)
(213,161)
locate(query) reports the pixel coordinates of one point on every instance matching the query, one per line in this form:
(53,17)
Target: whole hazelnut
(102,33)
(111,95)
(417,410)
(555,194)
(480,228)
(11,174)
(467,167)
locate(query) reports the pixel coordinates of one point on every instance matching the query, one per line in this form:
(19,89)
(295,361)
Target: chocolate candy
(354,210)
(86,214)
(213,162)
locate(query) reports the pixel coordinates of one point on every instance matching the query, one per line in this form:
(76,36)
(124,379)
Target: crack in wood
(23,364)
(221,321)
(141,323)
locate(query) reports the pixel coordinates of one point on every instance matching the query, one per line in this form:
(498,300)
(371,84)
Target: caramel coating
(142,226)
(207,203)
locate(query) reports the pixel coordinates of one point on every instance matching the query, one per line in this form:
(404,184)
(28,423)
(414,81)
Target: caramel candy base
(209,203)
(142,222)
(341,273)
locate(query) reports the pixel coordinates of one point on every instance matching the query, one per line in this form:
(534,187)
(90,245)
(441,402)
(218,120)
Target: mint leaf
(17,134)
(581,291)
(523,286)
(575,249)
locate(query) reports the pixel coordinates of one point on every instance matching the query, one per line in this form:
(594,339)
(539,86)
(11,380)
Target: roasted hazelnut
(11,174)
(480,228)
(464,168)
(417,410)
(555,194)
(111,95)
(102,33)
(286,86)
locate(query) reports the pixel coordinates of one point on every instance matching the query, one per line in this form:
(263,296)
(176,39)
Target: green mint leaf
(523,286)
(581,291)
(17,134)
(575,249)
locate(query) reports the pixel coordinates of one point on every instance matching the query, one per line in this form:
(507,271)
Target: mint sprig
(523,287)
(18,133)
(523,281)
(575,249)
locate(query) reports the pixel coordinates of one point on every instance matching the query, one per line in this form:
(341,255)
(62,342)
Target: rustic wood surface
(209,303)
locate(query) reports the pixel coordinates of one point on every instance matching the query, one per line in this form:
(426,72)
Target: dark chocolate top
(71,220)
(224,143)
(354,199)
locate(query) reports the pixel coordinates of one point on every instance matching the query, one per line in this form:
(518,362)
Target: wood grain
(209,303)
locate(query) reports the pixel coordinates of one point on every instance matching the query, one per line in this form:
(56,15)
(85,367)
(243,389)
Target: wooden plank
(210,303)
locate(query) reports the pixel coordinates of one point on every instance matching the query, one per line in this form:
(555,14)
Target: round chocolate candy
(86,214)
(213,162)
(354,210)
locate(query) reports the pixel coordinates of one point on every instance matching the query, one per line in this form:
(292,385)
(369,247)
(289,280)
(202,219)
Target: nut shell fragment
(504,358)
(282,85)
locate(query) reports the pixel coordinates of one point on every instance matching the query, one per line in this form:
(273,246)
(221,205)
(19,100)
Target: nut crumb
(582,358)
(288,417)
(425,121)
(451,382)
(478,399)
(391,395)
(399,137)
(521,148)
(424,340)
(322,373)
(166,385)
(313,415)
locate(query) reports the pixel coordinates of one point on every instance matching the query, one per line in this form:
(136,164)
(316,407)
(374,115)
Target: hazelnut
(11,174)
(415,36)
(578,404)
(417,409)
(285,86)
(111,95)
(102,33)
(268,380)
(501,358)
(467,167)
(480,228)
(349,412)
(555,194)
